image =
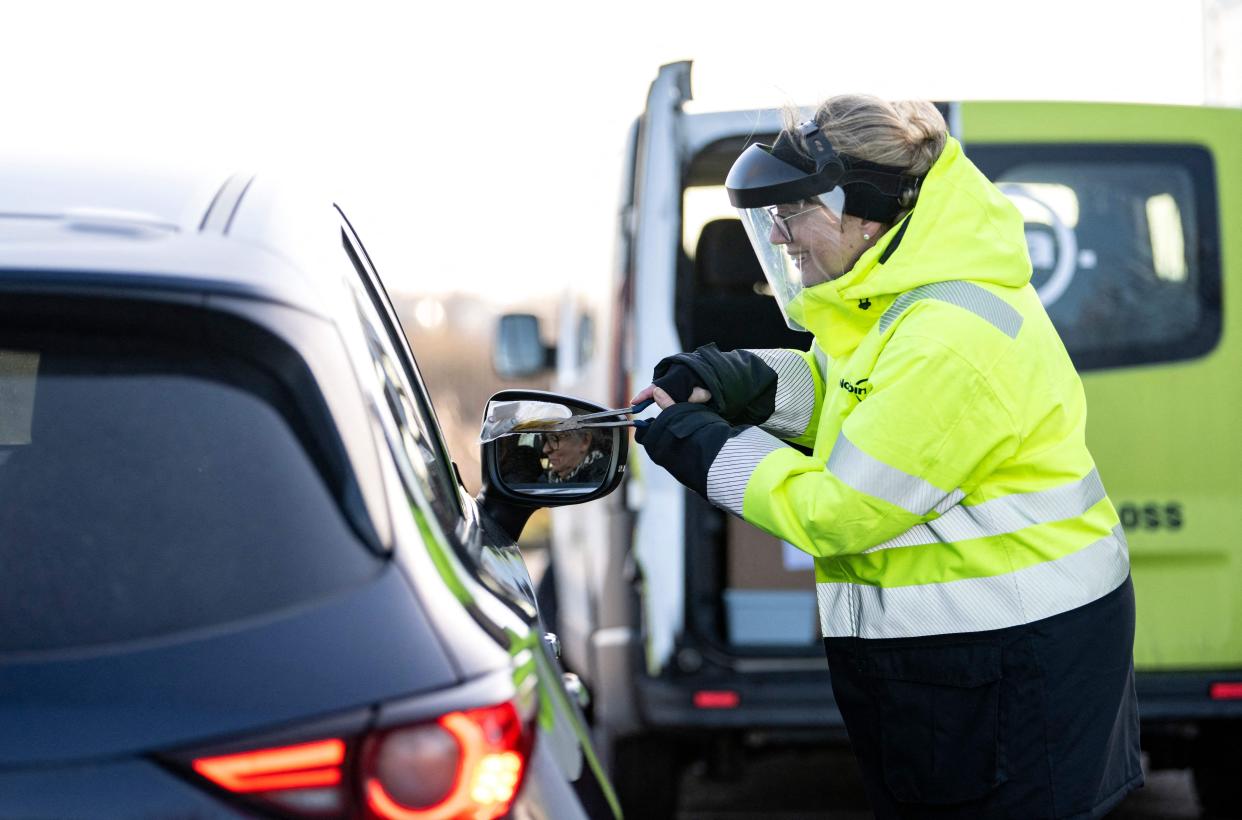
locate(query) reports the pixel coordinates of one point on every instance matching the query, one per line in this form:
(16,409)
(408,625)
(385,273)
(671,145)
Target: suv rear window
(148,488)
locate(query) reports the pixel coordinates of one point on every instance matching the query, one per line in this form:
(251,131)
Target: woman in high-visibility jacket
(929,452)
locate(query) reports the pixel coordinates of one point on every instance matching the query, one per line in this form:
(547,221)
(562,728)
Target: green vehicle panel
(1159,353)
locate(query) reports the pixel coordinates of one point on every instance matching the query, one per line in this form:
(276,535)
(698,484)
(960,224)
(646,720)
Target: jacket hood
(962,228)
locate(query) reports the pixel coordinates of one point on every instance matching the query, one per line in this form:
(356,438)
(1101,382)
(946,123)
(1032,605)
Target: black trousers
(1033,721)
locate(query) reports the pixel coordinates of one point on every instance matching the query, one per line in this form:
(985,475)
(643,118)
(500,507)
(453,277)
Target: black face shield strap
(877,192)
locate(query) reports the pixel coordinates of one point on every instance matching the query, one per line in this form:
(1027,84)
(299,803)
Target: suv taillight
(465,765)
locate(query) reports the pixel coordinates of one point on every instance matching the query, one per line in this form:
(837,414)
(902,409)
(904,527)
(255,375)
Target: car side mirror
(517,350)
(534,455)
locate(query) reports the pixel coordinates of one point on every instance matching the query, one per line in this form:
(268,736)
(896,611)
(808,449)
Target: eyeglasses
(781,223)
(554,440)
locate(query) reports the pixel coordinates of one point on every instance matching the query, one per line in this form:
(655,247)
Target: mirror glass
(540,451)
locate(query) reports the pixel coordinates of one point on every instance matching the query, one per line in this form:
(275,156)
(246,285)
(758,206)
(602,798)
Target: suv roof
(78,224)
(176,196)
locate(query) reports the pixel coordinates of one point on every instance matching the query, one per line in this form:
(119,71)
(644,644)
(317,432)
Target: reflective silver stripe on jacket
(873,477)
(983,303)
(976,604)
(1004,515)
(737,459)
(795,393)
(821,361)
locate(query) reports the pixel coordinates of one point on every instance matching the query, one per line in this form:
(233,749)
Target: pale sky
(478,146)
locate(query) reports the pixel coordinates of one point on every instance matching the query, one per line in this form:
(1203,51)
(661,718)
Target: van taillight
(1226,690)
(716,699)
(464,765)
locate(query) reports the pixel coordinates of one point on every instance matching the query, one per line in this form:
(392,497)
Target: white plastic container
(771,617)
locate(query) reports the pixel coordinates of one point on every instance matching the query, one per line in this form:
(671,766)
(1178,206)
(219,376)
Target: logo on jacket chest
(858,389)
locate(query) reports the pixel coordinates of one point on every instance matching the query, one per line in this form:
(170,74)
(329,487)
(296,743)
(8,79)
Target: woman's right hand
(663,400)
(737,384)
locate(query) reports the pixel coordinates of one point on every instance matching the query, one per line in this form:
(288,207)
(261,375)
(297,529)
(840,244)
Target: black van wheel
(647,773)
(1218,777)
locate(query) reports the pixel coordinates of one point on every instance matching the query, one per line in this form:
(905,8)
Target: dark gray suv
(239,575)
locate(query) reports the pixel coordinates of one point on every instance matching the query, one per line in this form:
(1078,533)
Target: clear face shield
(799,244)
(791,199)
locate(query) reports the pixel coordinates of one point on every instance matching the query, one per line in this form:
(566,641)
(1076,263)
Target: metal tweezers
(593,420)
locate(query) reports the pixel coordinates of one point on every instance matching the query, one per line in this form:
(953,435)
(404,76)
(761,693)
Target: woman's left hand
(664,401)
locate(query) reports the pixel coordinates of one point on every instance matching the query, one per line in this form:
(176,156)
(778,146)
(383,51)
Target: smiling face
(565,451)
(822,245)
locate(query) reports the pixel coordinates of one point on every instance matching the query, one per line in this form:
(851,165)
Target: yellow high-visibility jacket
(950,488)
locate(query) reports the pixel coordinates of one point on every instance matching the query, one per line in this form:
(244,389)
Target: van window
(721,294)
(148,488)
(1123,245)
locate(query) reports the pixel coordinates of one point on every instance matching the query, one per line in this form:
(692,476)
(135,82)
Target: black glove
(677,380)
(742,385)
(685,439)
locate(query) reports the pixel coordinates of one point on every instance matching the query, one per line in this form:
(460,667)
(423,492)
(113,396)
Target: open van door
(1132,220)
(657,200)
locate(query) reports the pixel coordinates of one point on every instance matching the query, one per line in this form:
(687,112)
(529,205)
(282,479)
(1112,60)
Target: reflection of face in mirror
(576,461)
(573,457)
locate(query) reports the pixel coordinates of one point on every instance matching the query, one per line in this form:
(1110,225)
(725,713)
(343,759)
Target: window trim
(380,300)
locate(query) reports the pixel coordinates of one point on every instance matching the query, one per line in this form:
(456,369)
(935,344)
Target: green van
(1134,225)
(699,633)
